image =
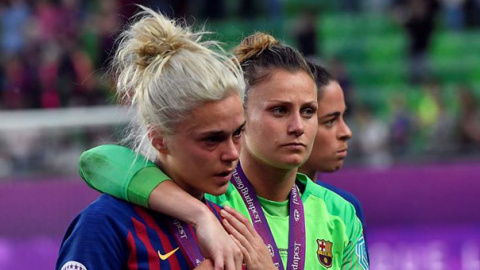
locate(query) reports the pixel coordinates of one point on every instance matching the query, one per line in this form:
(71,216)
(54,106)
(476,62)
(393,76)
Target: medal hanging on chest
(296,237)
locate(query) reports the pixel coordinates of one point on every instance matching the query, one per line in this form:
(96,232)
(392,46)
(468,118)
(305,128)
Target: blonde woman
(188,100)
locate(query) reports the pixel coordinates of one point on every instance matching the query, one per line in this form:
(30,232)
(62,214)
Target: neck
(271,183)
(312,174)
(182,184)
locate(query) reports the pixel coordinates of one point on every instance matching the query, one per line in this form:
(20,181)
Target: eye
(238,132)
(212,140)
(309,112)
(279,111)
(330,123)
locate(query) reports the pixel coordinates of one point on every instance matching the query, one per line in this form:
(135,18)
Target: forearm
(166,198)
(120,172)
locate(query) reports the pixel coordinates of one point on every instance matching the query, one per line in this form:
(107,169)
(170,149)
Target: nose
(231,151)
(296,125)
(344,133)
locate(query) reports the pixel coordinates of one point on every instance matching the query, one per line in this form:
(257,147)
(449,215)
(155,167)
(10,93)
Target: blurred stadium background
(410,70)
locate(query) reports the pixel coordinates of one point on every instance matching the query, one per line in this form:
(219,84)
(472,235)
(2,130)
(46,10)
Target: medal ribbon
(296,237)
(184,236)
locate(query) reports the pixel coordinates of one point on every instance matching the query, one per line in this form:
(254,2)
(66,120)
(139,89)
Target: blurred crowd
(54,54)
(433,128)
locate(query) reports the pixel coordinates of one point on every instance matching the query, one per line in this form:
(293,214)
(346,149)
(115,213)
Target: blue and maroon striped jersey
(114,234)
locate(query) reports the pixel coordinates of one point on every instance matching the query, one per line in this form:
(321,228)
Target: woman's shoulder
(107,205)
(317,196)
(104,212)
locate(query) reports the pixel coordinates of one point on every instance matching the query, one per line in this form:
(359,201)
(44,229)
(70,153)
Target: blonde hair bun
(159,38)
(254,45)
(150,51)
(146,47)
(164,70)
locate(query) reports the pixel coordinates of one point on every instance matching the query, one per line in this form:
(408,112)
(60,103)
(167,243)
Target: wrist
(201,215)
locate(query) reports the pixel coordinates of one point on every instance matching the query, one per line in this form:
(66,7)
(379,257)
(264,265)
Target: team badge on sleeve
(324,253)
(73,265)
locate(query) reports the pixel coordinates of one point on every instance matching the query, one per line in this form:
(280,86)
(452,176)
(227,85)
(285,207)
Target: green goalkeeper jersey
(334,234)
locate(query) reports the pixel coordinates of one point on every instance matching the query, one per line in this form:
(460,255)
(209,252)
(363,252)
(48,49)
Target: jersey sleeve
(347,196)
(355,255)
(354,201)
(120,172)
(92,242)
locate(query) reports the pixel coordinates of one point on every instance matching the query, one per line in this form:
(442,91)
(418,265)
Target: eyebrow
(220,132)
(336,114)
(283,102)
(311,103)
(242,125)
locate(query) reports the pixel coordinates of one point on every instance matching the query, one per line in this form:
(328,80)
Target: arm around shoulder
(121,172)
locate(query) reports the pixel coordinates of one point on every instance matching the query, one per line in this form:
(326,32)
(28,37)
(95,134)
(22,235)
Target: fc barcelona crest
(324,252)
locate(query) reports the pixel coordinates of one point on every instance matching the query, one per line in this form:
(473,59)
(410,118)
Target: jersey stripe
(164,240)
(141,231)
(354,259)
(215,209)
(132,257)
(347,258)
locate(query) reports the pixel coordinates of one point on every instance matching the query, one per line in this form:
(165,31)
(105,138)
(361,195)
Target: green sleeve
(120,172)
(355,255)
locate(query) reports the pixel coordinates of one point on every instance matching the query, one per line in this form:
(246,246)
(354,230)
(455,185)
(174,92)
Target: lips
(342,153)
(294,144)
(225,173)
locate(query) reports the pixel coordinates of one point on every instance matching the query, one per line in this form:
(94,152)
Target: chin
(330,168)
(337,167)
(217,191)
(297,161)
(291,165)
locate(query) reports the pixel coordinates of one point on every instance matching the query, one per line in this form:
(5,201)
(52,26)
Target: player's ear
(157,139)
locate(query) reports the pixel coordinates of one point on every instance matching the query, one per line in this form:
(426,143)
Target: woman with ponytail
(301,224)
(187,98)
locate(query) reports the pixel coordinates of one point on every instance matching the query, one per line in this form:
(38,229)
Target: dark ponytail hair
(260,53)
(322,78)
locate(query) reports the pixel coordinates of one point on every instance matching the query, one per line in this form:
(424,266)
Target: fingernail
(227,207)
(223,213)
